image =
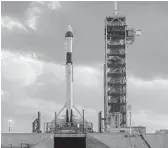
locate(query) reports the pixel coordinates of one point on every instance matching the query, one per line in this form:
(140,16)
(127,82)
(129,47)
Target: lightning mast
(117,38)
(10,130)
(10,125)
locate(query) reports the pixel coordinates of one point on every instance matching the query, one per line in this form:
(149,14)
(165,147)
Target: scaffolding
(117,38)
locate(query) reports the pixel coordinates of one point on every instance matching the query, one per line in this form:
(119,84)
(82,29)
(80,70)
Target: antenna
(115,8)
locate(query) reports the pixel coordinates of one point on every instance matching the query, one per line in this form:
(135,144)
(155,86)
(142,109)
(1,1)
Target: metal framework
(36,124)
(78,126)
(117,37)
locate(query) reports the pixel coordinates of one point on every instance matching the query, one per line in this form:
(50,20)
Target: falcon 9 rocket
(69,74)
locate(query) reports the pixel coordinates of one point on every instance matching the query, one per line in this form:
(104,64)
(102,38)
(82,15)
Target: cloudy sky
(33,57)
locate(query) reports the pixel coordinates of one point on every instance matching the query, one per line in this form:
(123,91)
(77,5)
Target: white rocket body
(69,73)
(71,120)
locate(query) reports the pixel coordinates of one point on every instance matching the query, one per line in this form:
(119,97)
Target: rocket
(69,74)
(69,106)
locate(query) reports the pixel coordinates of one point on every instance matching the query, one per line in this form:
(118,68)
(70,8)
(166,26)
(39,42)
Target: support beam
(83,120)
(39,123)
(100,122)
(55,123)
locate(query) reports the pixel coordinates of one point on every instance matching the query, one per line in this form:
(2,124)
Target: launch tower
(117,38)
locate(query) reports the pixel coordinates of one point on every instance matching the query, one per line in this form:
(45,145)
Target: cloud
(150,120)
(54,5)
(18,68)
(36,85)
(36,9)
(145,94)
(31,16)
(149,102)
(49,38)
(12,23)
(149,84)
(4,95)
(88,76)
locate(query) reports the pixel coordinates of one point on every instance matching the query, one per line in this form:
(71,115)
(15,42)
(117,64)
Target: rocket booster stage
(69,74)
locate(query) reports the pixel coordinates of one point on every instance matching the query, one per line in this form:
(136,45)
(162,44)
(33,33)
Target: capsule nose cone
(69,28)
(69,32)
